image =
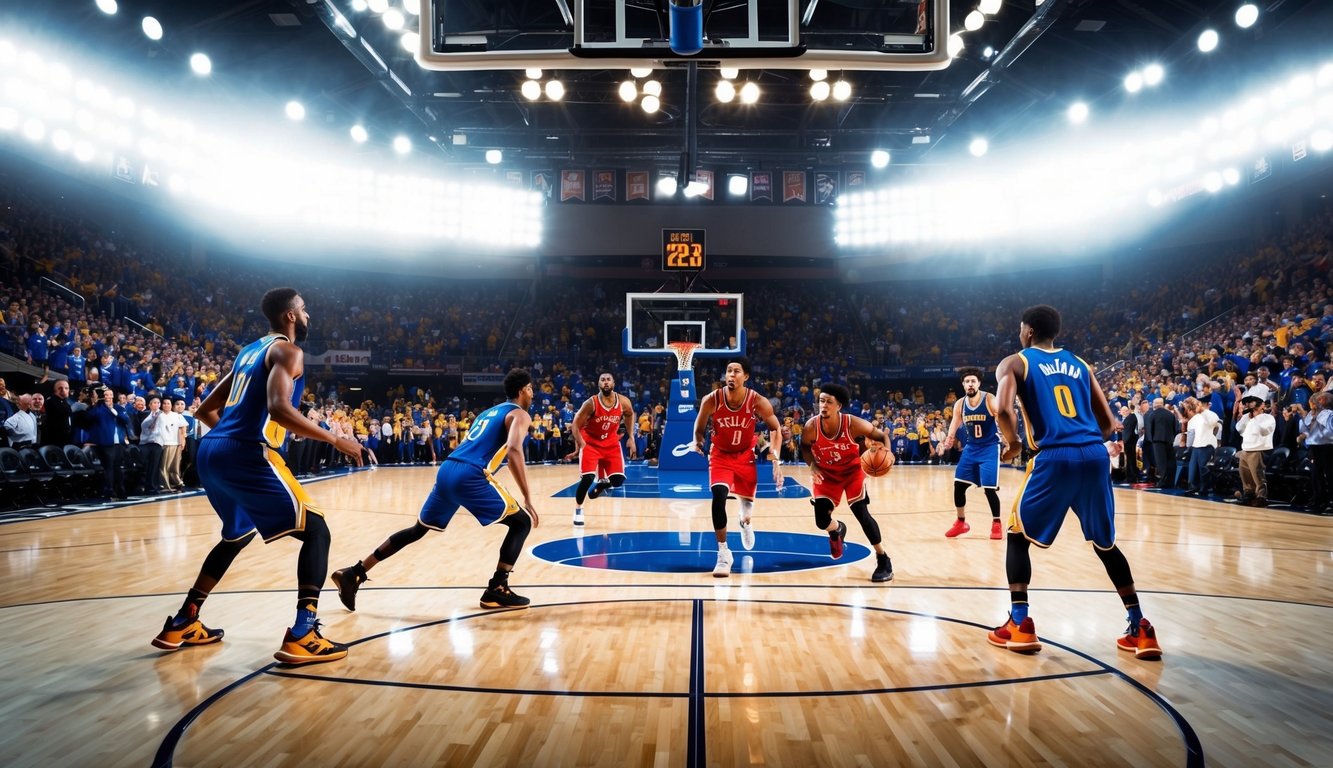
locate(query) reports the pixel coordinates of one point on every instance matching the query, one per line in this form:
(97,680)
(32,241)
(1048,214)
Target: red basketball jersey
(733,428)
(838,454)
(602,427)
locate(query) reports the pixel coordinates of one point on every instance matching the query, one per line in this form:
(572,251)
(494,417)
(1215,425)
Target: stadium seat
(16,480)
(43,477)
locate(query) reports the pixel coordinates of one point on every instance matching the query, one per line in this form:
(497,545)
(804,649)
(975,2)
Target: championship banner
(571,185)
(856,179)
(343,357)
(1260,169)
(707,178)
(604,185)
(793,186)
(761,186)
(543,182)
(514,178)
(826,187)
(636,185)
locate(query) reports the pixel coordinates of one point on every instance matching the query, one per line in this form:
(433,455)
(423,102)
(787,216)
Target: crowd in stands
(158,330)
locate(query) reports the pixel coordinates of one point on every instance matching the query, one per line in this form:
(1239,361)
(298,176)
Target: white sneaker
(747,534)
(723,567)
(578,517)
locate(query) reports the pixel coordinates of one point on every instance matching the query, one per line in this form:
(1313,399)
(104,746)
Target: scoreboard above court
(683,250)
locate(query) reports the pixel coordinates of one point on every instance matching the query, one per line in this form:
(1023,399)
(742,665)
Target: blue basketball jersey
(1057,399)
(245,415)
(979,424)
(484,445)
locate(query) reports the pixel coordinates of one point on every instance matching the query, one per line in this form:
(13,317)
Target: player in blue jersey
(980,463)
(1067,418)
(466,478)
(250,486)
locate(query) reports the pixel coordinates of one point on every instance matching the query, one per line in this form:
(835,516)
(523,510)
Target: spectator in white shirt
(171,430)
(1256,429)
(1201,432)
(150,445)
(22,426)
(1317,436)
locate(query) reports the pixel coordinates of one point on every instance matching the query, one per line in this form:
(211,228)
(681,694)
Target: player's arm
(580,420)
(1101,409)
(1006,418)
(764,409)
(518,422)
(627,417)
(286,363)
(862,428)
(706,408)
(955,424)
(807,452)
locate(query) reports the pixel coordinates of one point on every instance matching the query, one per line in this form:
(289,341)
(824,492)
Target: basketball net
(684,351)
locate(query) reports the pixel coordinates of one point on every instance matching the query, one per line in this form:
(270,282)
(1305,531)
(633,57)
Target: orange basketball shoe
(311,649)
(190,633)
(1140,641)
(1019,638)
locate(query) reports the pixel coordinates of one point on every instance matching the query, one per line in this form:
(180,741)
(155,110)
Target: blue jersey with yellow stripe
(486,441)
(1057,399)
(245,415)
(979,424)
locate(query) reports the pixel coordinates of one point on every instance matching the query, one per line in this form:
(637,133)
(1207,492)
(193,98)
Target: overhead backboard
(626,34)
(715,321)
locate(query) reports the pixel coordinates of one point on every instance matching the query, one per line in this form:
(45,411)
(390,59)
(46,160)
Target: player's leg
(303,643)
(744,485)
(990,484)
(824,503)
(610,471)
(720,478)
(1095,507)
(858,498)
(491,502)
(965,475)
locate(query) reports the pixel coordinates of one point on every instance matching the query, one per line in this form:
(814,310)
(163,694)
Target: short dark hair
(837,392)
(1044,320)
(742,361)
(515,381)
(963,373)
(276,302)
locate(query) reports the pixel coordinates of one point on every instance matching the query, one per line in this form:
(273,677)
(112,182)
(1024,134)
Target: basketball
(876,461)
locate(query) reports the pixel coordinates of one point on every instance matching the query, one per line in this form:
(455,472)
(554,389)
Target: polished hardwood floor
(621,667)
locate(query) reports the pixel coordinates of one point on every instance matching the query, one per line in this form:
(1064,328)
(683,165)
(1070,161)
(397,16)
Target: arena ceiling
(1043,58)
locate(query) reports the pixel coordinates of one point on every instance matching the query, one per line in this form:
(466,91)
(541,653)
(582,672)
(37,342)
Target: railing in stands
(1185,337)
(143,328)
(69,294)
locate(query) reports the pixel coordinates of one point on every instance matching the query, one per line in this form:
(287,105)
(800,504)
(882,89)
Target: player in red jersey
(733,413)
(597,442)
(828,445)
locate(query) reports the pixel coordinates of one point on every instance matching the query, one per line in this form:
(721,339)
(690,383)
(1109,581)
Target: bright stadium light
(1231,176)
(360,6)
(1077,113)
(359,134)
(393,19)
(152,28)
(411,41)
(628,91)
(34,129)
(295,110)
(818,74)
(1153,74)
(641,71)
(725,91)
(730,73)
(1321,140)
(666,186)
(989,7)
(494,156)
(650,104)
(695,188)
(738,184)
(1208,40)
(652,88)
(201,64)
(412,6)
(533,73)
(378,6)
(1134,82)
(1212,182)
(531,89)
(973,21)
(879,158)
(401,144)
(955,45)
(978,147)
(9,118)
(820,91)
(1246,15)
(842,90)
(555,90)
(108,7)
(749,93)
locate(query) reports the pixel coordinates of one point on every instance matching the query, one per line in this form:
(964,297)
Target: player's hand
(816,476)
(697,448)
(570,456)
(632,452)
(349,447)
(532,512)
(1011,452)
(777,471)
(890,457)
(948,442)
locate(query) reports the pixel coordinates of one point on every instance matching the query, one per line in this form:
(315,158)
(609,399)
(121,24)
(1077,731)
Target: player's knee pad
(719,507)
(960,493)
(823,513)
(868,524)
(616,480)
(316,530)
(1117,567)
(1018,560)
(993,499)
(585,482)
(519,521)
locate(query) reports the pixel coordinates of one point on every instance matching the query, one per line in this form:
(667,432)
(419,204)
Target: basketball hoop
(684,351)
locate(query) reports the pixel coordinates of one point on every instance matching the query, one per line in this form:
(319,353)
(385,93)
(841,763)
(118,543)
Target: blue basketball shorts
(1061,479)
